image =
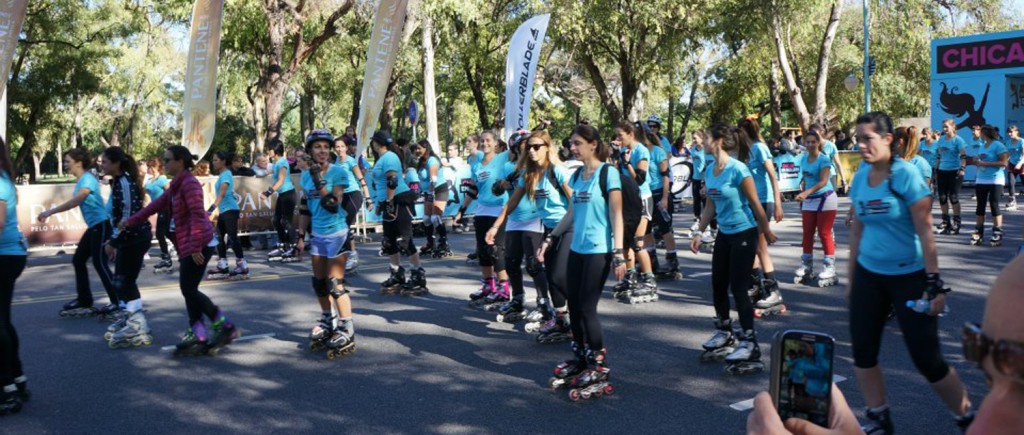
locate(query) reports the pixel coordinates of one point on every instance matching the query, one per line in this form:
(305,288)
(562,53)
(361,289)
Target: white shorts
(824,202)
(648,208)
(330,246)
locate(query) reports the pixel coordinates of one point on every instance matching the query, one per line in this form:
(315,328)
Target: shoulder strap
(604,182)
(554,180)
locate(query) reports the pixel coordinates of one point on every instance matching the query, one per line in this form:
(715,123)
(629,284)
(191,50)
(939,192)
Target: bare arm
(511,205)
(75,201)
(921,212)
(666,183)
(839,168)
(362,181)
(281,173)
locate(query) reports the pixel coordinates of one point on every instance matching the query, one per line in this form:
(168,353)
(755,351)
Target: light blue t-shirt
(324,222)
(657,156)
(11,240)
(349,164)
(697,157)
(638,154)
(156,187)
(949,152)
(228,203)
(1016,148)
(388,162)
(830,150)
(550,201)
(812,172)
(666,146)
(889,244)
(276,172)
(484,177)
(989,154)
(929,152)
(424,172)
(94,210)
(413,180)
(922,165)
(759,155)
(732,208)
(527,208)
(593,229)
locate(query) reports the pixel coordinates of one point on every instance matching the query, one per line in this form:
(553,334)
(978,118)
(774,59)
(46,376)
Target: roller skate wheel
(575,395)
(586,395)
(608,389)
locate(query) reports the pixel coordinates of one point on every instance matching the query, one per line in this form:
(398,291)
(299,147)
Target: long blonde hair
(909,139)
(532,171)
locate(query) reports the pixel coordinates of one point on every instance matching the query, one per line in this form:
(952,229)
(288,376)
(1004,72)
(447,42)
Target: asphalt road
(432,365)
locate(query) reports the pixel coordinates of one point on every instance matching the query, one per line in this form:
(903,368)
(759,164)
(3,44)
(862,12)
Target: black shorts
(353,204)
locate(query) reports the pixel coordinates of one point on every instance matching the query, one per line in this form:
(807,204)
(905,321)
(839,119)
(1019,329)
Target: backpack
(632,205)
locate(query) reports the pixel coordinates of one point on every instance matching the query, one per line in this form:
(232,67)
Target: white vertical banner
(12,17)
(200,105)
(381,54)
(521,70)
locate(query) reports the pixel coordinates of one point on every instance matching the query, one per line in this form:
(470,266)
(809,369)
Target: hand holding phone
(765,419)
(801,375)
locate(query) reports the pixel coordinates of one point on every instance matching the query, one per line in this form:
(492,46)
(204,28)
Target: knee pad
(534,266)
(954,199)
(496,251)
(406,247)
(435,220)
(389,246)
(321,286)
(334,290)
(943,199)
(637,244)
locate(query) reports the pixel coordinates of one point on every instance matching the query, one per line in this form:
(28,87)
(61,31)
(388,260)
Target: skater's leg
(588,274)
(994,192)
(954,194)
(286,203)
(741,256)
(698,198)
(100,261)
(343,302)
(163,224)
(231,229)
(720,275)
(79,260)
(826,221)
(531,243)
(869,309)
(222,246)
(514,254)
(763,259)
(190,276)
(128,265)
(981,192)
(944,184)
(10,364)
(810,223)
(556,260)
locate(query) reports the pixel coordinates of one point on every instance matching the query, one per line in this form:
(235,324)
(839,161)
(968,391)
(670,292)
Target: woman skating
(991,161)
(819,205)
(226,207)
(323,184)
(434,185)
(195,242)
(284,208)
(894,260)
(87,198)
(13,256)
(354,197)
(733,200)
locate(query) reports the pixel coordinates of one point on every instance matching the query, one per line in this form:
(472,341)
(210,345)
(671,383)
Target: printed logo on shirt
(874,206)
(581,197)
(483,176)
(540,194)
(714,193)
(312,194)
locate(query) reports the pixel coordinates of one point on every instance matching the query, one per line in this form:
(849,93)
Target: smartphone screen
(803,367)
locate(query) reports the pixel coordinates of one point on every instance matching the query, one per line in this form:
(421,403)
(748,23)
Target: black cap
(382,137)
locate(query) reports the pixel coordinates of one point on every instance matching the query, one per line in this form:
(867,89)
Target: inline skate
(645,291)
(569,369)
(805,273)
(771,302)
(721,344)
(110,313)
(879,422)
(352,263)
(74,309)
(134,333)
(756,290)
(164,265)
(477,298)
(288,255)
(219,272)
(223,333)
(707,242)
(594,381)
(342,343)
(828,277)
(624,287)
(10,402)
(322,332)
(671,269)
(240,272)
(472,258)
(997,237)
(539,316)
(978,236)
(746,358)
(442,251)
(956,224)
(394,283)
(494,300)
(556,330)
(512,311)
(945,227)
(276,253)
(417,283)
(195,342)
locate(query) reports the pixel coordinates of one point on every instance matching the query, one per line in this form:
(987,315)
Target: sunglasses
(165,160)
(535,146)
(1007,356)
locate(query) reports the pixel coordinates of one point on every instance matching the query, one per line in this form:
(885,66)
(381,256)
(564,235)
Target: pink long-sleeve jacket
(184,196)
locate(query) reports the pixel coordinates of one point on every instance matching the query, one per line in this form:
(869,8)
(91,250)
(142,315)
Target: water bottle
(665,215)
(922,306)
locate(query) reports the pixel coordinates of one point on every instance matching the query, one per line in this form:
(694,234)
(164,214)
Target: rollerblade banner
(381,53)
(12,16)
(521,70)
(201,76)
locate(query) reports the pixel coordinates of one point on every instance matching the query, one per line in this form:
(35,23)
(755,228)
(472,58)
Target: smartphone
(801,375)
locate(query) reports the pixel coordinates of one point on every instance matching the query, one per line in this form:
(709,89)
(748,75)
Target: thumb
(804,427)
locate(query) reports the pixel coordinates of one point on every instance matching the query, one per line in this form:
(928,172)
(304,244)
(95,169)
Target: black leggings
(587,275)
(91,245)
(163,226)
(398,237)
(948,184)
(127,266)
(698,199)
(523,245)
(556,260)
(284,214)
(189,278)
(227,227)
(988,193)
(489,255)
(352,204)
(10,364)
(872,296)
(731,264)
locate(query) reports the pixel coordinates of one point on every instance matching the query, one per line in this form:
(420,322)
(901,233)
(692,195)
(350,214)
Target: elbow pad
(641,176)
(666,174)
(392,182)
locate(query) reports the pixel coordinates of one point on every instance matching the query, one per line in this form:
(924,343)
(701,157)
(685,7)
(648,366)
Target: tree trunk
(475,86)
(60,155)
(607,102)
(387,113)
(356,96)
(37,159)
(273,100)
(792,87)
(429,93)
(671,118)
(820,87)
(689,104)
(307,120)
(773,99)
